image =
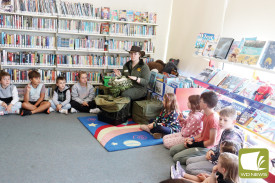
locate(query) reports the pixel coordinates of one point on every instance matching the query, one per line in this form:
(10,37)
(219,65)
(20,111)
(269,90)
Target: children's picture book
(268,59)
(234,51)
(7,5)
(207,74)
(260,122)
(241,86)
(223,47)
(169,89)
(219,77)
(269,131)
(231,82)
(209,49)
(105,13)
(239,107)
(122,15)
(250,89)
(222,104)
(152,18)
(251,52)
(114,15)
(104,28)
(160,87)
(246,39)
(202,39)
(130,15)
(137,16)
(152,80)
(246,116)
(144,17)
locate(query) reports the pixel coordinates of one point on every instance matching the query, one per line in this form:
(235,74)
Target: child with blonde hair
(167,122)
(191,126)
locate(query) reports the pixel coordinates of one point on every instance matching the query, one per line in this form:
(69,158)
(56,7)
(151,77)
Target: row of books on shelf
(250,118)
(122,46)
(27,41)
(21,76)
(79,26)
(27,58)
(72,77)
(247,51)
(27,23)
(49,76)
(48,93)
(132,30)
(134,16)
(165,83)
(251,89)
(46,59)
(87,43)
(72,9)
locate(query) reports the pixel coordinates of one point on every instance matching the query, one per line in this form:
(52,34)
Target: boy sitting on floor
(34,95)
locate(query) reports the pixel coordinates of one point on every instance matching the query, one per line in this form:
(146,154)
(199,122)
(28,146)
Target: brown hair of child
(230,147)
(81,73)
(229,112)
(210,98)
(194,101)
(60,78)
(3,74)
(171,103)
(230,163)
(34,74)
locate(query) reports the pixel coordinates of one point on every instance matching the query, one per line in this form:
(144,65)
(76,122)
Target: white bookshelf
(30,14)
(28,30)
(136,23)
(26,48)
(80,33)
(80,67)
(28,66)
(131,37)
(60,17)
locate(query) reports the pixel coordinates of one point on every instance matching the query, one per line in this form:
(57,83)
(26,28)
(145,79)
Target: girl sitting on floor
(167,122)
(190,127)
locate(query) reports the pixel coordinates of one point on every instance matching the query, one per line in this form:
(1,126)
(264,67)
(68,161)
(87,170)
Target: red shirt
(209,122)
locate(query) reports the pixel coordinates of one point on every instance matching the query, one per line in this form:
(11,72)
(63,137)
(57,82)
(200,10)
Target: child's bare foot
(157,135)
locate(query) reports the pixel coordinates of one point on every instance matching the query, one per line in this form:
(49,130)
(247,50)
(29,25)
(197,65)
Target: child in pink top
(191,126)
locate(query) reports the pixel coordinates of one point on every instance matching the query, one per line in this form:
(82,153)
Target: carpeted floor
(58,148)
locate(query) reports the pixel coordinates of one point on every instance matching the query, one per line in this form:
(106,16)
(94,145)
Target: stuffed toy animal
(171,67)
(263,92)
(158,64)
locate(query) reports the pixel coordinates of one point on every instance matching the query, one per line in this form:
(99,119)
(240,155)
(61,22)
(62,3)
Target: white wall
(188,19)
(163,8)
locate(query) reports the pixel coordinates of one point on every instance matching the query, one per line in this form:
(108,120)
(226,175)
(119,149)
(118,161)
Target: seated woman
(138,72)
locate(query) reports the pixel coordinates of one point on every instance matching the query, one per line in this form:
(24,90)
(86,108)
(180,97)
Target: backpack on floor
(113,110)
(145,110)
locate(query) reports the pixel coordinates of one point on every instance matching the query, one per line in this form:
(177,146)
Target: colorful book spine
(80,60)
(71,77)
(36,6)
(122,46)
(21,76)
(27,23)
(27,58)
(85,44)
(27,41)
(132,30)
(76,26)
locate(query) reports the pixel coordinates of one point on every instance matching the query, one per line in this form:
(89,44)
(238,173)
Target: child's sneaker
(1,113)
(179,168)
(51,109)
(174,173)
(157,135)
(25,112)
(94,111)
(63,111)
(73,110)
(145,128)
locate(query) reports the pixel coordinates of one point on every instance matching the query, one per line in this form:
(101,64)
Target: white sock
(95,110)
(73,110)
(63,111)
(51,109)
(1,113)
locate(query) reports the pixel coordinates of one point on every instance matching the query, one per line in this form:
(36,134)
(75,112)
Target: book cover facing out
(223,47)
(268,59)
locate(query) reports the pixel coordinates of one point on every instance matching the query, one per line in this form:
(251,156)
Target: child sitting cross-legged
(34,96)
(9,101)
(61,97)
(177,172)
(167,121)
(191,126)
(209,137)
(83,95)
(231,132)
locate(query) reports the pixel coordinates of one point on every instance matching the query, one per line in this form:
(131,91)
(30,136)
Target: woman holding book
(138,72)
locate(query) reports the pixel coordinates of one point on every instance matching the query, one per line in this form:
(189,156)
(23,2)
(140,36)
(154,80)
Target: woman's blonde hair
(171,103)
(230,163)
